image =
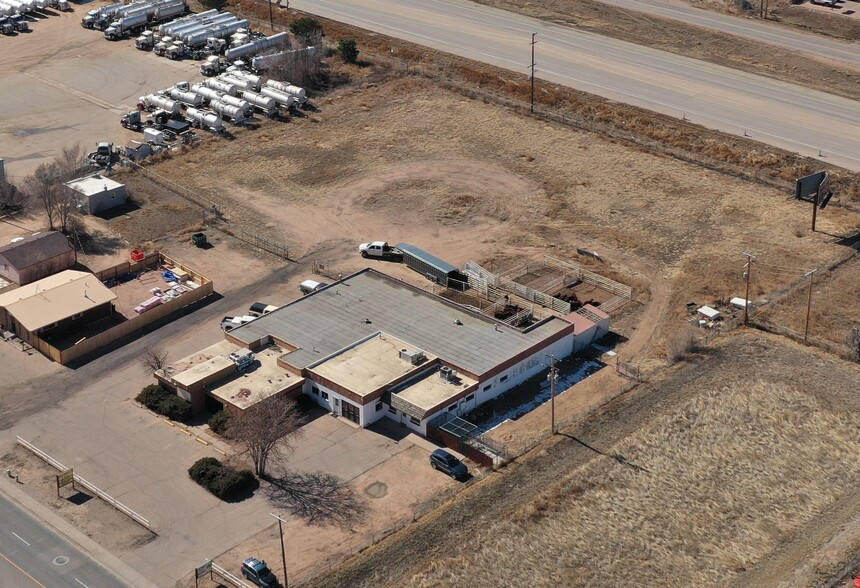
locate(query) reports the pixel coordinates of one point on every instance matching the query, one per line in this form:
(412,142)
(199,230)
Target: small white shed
(96,193)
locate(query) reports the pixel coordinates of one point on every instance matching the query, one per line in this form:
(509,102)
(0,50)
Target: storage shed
(432,267)
(35,257)
(96,193)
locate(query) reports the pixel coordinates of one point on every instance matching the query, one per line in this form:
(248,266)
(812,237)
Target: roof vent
(458,322)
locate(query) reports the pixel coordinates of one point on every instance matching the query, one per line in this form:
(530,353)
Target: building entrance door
(350,411)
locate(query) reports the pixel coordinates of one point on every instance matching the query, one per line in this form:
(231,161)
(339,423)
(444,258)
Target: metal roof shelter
(430,265)
(458,427)
(336,317)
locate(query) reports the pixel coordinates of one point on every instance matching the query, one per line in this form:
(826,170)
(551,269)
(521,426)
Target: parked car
(259,573)
(445,462)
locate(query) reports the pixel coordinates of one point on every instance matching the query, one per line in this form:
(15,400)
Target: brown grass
(680,344)
(727,478)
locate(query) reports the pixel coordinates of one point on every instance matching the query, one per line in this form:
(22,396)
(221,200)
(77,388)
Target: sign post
(64,479)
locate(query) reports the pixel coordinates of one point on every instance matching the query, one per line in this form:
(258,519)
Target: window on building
(325,395)
(414,421)
(452,407)
(391,409)
(487,387)
(503,379)
(315,390)
(378,406)
(470,397)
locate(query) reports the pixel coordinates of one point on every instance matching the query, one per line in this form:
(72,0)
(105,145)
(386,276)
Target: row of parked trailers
(22,7)
(234,95)
(14,14)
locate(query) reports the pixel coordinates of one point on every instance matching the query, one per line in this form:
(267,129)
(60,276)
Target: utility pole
(283,551)
(271,17)
(810,275)
(747,271)
(553,381)
(533,43)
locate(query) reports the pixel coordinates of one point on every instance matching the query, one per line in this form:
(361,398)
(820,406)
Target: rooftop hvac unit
(444,372)
(413,357)
(452,375)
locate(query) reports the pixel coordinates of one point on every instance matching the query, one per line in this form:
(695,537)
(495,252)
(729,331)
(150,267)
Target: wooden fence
(135,323)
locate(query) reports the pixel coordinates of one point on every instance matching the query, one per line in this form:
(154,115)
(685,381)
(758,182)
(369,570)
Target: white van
(309,286)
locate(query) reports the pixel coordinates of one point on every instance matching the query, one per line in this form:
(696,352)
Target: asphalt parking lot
(62,84)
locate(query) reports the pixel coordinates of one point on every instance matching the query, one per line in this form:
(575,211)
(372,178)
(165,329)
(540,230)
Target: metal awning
(458,427)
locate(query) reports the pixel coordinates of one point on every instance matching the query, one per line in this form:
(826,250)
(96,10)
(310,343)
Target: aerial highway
(784,115)
(33,555)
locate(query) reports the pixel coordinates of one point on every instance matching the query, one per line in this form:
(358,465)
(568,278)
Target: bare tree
(299,66)
(65,205)
(266,429)
(154,359)
(853,342)
(70,160)
(43,188)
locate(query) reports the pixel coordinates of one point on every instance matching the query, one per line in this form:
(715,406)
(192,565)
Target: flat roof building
(371,346)
(96,193)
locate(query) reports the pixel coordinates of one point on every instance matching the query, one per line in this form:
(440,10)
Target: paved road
(34,556)
(780,114)
(757,30)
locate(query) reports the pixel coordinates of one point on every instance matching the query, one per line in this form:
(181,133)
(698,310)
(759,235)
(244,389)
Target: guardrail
(88,485)
(225,575)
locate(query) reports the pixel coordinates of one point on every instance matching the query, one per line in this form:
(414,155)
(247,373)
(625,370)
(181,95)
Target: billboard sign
(809,185)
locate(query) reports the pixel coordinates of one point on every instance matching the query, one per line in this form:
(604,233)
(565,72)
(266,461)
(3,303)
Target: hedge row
(225,482)
(157,399)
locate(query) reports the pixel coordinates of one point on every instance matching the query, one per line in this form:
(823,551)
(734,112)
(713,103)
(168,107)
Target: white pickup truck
(380,250)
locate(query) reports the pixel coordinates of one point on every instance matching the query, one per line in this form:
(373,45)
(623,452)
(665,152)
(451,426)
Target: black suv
(444,461)
(259,573)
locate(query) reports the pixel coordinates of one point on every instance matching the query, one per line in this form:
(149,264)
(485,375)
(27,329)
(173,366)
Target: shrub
(680,344)
(223,481)
(348,50)
(219,422)
(205,471)
(161,401)
(306,28)
(853,343)
(216,4)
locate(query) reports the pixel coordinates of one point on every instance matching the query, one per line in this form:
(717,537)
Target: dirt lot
(737,468)
(481,183)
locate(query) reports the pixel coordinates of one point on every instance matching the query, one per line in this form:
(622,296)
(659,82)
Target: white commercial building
(371,346)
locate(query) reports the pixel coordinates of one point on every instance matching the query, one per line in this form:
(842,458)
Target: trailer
(255,47)
(431,267)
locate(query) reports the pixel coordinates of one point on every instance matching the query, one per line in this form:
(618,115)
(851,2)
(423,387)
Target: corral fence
(88,485)
(589,277)
(490,284)
(276,248)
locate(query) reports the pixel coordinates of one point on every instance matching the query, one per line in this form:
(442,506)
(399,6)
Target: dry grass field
(737,469)
(406,161)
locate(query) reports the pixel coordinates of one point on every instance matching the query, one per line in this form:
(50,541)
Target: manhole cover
(61,560)
(376,490)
